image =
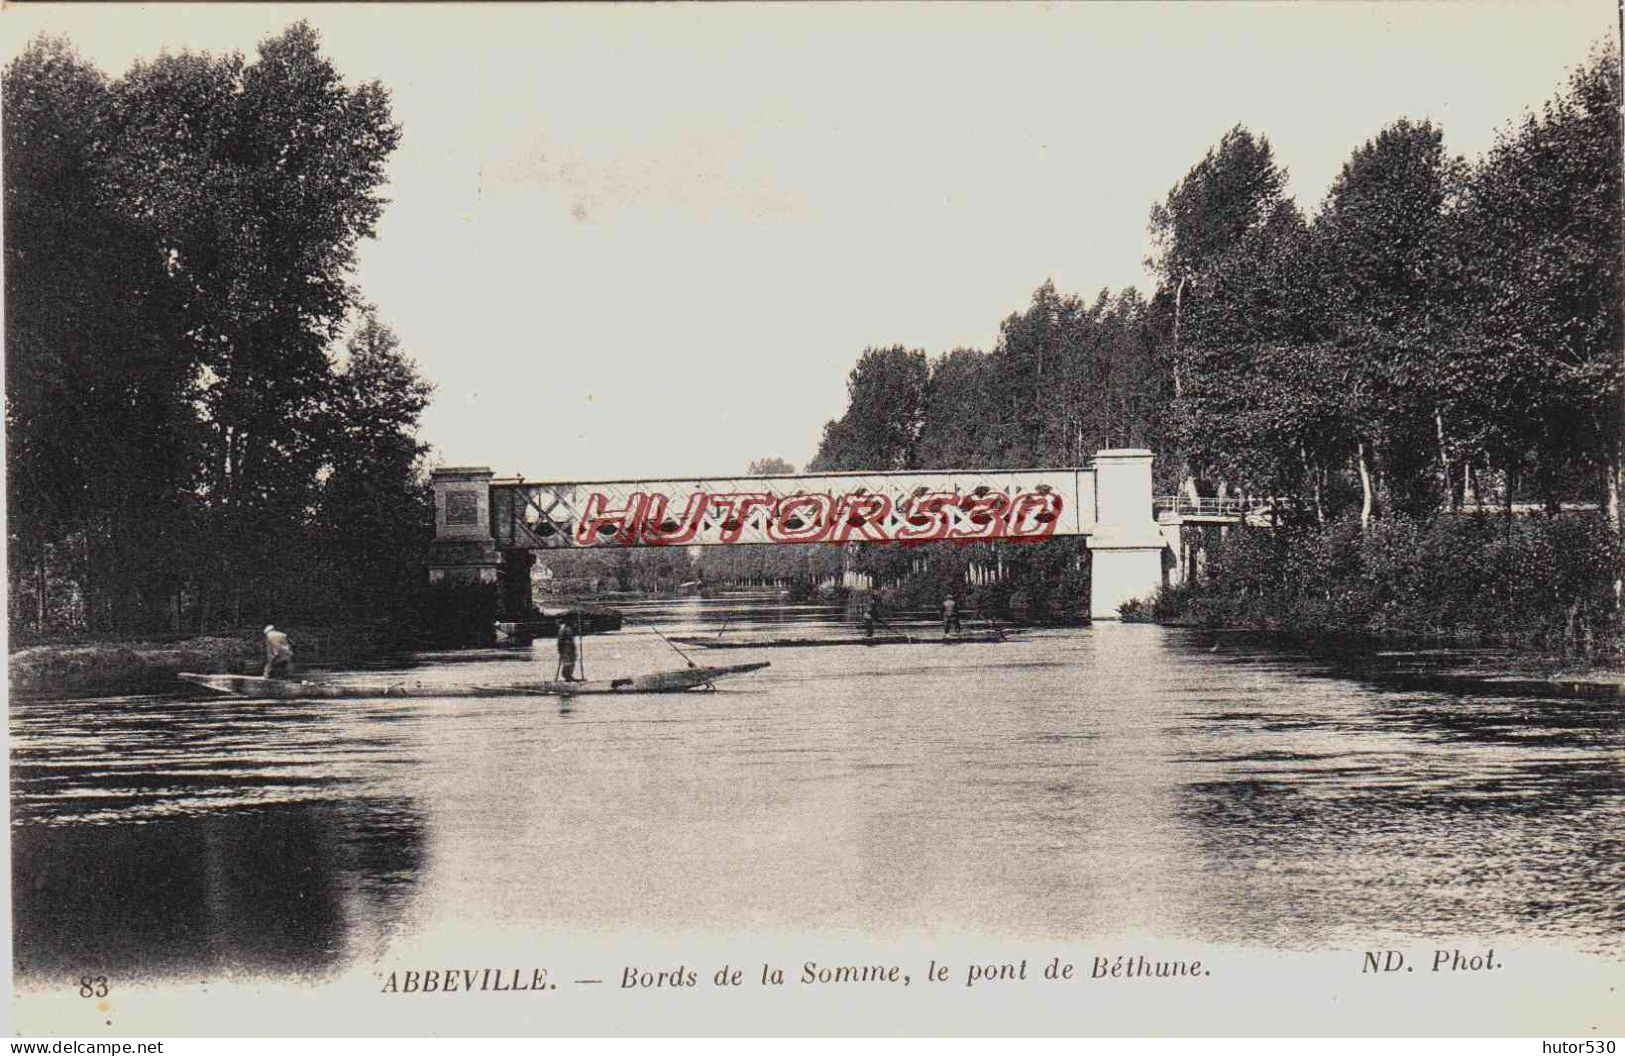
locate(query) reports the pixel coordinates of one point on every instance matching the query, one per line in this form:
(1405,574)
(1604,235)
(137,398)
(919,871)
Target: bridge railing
(1214,509)
(1232,510)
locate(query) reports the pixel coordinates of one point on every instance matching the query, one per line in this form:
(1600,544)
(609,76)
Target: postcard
(814,520)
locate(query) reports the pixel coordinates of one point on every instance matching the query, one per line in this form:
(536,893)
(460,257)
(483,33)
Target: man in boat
(950,616)
(567,649)
(871,616)
(278,653)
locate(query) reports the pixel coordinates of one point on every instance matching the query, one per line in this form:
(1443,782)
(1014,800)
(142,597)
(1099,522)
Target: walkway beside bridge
(1260,512)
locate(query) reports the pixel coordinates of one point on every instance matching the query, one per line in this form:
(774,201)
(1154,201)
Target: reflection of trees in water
(1504,820)
(1518,722)
(285,890)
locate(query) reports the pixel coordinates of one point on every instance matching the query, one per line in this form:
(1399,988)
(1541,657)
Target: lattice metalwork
(969,506)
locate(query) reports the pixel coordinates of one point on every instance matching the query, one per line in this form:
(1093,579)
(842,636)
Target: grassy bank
(90,668)
(1541,584)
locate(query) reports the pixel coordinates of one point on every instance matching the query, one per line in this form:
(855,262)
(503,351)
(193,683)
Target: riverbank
(66,669)
(1540,590)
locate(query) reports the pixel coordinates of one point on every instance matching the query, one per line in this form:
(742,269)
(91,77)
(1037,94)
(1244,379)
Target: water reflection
(1361,813)
(1080,784)
(296,889)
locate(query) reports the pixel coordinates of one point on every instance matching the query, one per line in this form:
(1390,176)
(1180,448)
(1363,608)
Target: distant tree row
(787,567)
(1066,379)
(187,445)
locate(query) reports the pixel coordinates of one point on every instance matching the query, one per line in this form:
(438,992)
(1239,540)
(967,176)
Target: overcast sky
(639,241)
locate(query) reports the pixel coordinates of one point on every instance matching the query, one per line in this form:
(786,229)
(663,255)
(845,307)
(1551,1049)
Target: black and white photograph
(807,520)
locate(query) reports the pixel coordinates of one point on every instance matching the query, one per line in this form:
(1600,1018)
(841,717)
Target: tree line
(1439,333)
(207,425)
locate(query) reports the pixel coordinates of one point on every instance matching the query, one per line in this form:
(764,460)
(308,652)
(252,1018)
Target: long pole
(899,630)
(663,638)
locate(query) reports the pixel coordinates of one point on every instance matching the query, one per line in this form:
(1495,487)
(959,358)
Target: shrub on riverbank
(1544,582)
(1136,611)
(90,668)
(101,668)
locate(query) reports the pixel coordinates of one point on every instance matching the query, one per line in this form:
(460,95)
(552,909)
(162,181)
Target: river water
(1079,784)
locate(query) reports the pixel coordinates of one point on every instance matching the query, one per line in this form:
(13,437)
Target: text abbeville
(465,980)
(648,519)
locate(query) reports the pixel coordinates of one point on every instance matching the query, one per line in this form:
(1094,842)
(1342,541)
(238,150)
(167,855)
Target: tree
(97,414)
(1382,244)
(1230,194)
(772,466)
(257,180)
(1219,236)
(1541,239)
(962,425)
(884,414)
(376,510)
(177,267)
(1071,378)
(1042,368)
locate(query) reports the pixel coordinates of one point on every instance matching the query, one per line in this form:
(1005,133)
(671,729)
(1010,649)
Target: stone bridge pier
(464,550)
(1126,546)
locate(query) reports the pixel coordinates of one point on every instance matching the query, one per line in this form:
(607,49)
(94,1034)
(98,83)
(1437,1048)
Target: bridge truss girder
(905,507)
(479,518)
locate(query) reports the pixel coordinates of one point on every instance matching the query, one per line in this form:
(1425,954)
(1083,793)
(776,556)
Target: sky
(641,241)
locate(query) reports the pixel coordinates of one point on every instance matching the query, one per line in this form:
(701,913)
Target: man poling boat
(871,617)
(568,652)
(278,653)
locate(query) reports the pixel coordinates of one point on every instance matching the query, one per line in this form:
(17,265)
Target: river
(1079,784)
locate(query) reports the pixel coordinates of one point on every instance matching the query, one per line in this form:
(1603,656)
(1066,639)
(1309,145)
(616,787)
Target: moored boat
(544,623)
(923,638)
(676,681)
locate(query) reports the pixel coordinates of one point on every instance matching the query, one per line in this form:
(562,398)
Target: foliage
(376,511)
(772,466)
(1135,611)
(182,447)
(1436,330)
(1539,234)
(885,409)
(1537,581)
(97,416)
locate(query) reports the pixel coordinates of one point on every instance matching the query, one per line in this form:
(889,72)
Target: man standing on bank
(567,650)
(278,653)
